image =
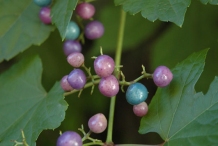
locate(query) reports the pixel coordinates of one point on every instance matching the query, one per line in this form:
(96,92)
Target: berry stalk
(117,63)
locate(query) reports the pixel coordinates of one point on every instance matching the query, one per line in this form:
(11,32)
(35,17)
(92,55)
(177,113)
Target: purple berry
(44,15)
(104,65)
(69,138)
(85,10)
(75,59)
(65,85)
(97,123)
(109,86)
(77,79)
(162,76)
(141,109)
(94,30)
(71,46)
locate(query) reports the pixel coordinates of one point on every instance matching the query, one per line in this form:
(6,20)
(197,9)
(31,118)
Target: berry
(140,109)
(75,59)
(65,85)
(136,93)
(71,46)
(42,3)
(104,65)
(72,31)
(94,30)
(97,123)
(109,86)
(69,138)
(77,79)
(44,15)
(162,76)
(85,10)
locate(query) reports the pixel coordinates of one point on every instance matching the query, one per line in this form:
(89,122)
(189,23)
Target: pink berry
(75,59)
(140,109)
(109,86)
(65,85)
(85,10)
(162,76)
(97,123)
(44,15)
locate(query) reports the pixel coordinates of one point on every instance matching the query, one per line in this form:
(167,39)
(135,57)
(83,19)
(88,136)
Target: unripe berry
(75,59)
(71,46)
(162,76)
(94,30)
(140,109)
(85,10)
(69,138)
(97,123)
(44,15)
(65,85)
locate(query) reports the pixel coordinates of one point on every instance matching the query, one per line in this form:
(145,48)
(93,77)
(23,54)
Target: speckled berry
(75,59)
(65,85)
(97,123)
(162,76)
(140,109)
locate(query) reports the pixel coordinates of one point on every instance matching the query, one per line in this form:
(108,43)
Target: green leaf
(61,13)
(213,2)
(179,114)
(24,104)
(164,10)
(20,27)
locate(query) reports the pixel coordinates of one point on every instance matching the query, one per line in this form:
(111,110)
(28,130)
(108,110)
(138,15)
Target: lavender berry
(71,46)
(162,76)
(69,138)
(104,65)
(75,59)
(85,10)
(77,79)
(94,30)
(97,123)
(141,109)
(44,15)
(65,85)
(109,86)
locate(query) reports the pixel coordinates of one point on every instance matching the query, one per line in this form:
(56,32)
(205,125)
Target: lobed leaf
(24,104)
(179,114)
(164,10)
(61,13)
(20,27)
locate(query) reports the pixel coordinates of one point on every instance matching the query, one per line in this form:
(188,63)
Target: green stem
(117,63)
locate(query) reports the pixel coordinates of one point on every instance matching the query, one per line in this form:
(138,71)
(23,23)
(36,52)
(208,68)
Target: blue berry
(72,31)
(136,93)
(42,3)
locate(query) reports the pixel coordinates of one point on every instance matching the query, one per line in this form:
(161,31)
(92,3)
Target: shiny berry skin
(94,30)
(65,85)
(97,123)
(136,93)
(109,86)
(85,10)
(69,138)
(71,46)
(104,65)
(44,15)
(75,59)
(77,79)
(162,76)
(140,109)
(72,31)
(42,3)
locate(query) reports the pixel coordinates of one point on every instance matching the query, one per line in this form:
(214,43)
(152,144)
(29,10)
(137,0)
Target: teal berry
(72,31)
(42,3)
(136,93)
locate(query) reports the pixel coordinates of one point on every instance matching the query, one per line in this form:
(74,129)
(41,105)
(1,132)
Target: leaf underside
(20,27)
(24,104)
(179,114)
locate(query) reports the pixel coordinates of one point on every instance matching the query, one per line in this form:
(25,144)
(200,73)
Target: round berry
(71,46)
(44,15)
(162,76)
(42,3)
(104,65)
(69,138)
(136,93)
(109,86)
(97,123)
(94,30)
(65,85)
(140,109)
(77,79)
(85,10)
(72,31)
(75,59)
